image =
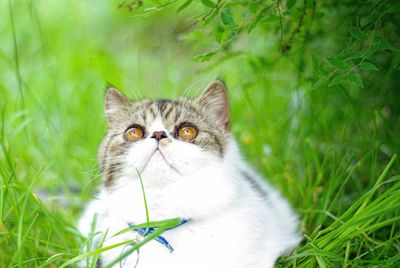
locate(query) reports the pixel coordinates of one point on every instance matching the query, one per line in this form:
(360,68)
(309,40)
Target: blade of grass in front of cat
(136,246)
(145,202)
(170,223)
(93,253)
(97,256)
(162,226)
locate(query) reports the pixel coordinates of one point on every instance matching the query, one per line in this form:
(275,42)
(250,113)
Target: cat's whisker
(137,93)
(191,88)
(139,98)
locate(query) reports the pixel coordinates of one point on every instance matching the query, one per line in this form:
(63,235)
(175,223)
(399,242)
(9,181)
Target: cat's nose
(158,135)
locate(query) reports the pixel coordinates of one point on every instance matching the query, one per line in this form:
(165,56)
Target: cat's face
(164,140)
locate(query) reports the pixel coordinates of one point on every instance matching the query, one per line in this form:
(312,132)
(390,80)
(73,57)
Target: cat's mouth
(153,154)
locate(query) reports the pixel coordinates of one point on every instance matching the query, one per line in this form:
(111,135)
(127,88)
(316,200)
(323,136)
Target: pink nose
(158,135)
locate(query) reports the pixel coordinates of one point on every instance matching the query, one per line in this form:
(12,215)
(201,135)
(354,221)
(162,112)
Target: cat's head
(164,140)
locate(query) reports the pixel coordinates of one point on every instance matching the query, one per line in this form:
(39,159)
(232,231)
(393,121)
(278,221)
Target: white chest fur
(232,224)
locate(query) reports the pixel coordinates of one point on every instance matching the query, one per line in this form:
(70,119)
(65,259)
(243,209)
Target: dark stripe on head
(143,115)
(217,141)
(168,111)
(149,108)
(177,115)
(111,173)
(153,111)
(162,105)
(106,149)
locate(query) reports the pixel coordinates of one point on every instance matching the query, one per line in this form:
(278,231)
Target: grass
(333,152)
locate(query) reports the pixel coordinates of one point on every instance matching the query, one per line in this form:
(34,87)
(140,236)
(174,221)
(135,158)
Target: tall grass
(332,152)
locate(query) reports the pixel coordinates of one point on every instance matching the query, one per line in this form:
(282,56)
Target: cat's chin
(203,194)
(161,166)
(158,160)
(158,171)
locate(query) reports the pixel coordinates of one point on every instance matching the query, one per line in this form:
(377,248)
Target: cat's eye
(134,133)
(187,132)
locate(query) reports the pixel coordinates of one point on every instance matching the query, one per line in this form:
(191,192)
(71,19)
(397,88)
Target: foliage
(315,106)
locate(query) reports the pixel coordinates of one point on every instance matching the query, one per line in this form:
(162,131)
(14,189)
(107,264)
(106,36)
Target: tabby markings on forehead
(144,116)
(185,108)
(162,104)
(149,107)
(166,107)
(168,112)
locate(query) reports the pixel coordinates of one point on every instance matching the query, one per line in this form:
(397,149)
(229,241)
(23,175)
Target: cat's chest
(196,244)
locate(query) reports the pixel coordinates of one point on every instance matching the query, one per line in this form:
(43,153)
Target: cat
(188,161)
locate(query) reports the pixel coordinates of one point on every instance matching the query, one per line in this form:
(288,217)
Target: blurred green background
(315,98)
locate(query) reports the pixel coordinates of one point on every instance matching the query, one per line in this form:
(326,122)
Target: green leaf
(212,16)
(316,65)
(206,56)
(338,80)
(254,7)
(368,66)
(355,79)
(208,3)
(351,55)
(255,21)
(290,4)
(227,19)
(352,78)
(310,4)
(254,24)
(356,33)
(218,33)
(338,63)
(184,5)
(381,43)
(396,62)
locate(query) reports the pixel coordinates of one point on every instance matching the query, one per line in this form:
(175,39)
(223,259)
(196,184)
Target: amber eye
(133,134)
(187,132)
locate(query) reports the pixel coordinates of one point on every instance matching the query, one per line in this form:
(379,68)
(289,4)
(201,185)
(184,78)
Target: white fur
(231,225)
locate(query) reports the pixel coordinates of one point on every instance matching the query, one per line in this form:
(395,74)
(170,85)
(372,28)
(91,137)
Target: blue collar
(159,239)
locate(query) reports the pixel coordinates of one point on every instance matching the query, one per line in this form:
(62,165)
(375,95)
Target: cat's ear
(115,102)
(215,102)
